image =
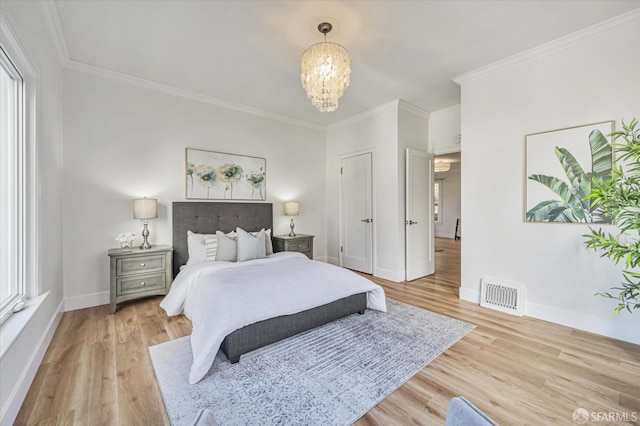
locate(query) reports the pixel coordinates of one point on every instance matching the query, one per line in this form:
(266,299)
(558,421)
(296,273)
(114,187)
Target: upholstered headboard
(209,217)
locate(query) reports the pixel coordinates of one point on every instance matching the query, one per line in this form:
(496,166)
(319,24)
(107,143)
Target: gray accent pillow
(227,247)
(250,247)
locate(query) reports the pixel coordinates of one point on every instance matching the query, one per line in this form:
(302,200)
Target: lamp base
(145,234)
(291,234)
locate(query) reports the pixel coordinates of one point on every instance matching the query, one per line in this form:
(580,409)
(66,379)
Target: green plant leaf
(558,186)
(601,158)
(571,167)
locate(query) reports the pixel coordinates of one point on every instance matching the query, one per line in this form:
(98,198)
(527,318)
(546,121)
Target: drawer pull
(143,283)
(299,245)
(142,264)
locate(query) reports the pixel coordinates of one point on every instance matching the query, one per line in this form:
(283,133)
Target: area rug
(331,375)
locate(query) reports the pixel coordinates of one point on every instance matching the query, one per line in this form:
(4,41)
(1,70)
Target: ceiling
(248,52)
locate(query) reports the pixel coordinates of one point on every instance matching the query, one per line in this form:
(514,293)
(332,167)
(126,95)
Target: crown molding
(447,110)
(364,115)
(171,90)
(51,17)
(573,39)
(412,109)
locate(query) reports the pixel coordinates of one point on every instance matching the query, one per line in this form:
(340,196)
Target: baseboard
(608,326)
(20,389)
(333,260)
(395,276)
(321,259)
(604,326)
(444,235)
(469,294)
(86,301)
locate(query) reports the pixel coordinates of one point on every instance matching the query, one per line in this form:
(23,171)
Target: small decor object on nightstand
(125,240)
(137,273)
(301,243)
(291,208)
(145,208)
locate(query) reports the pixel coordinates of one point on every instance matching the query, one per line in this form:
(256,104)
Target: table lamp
(145,208)
(291,208)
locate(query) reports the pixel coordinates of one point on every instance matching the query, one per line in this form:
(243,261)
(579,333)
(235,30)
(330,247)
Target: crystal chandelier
(326,72)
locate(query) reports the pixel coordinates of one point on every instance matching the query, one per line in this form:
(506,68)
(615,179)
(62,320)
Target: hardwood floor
(518,370)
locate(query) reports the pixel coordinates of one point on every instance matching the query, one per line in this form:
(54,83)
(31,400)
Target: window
(18,190)
(437,201)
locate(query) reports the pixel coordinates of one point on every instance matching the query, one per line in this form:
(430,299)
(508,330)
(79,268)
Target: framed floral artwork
(214,175)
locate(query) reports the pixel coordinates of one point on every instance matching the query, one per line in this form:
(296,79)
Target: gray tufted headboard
(209,217)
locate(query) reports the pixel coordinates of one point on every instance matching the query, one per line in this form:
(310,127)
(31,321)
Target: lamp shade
(145,208)
(291,208)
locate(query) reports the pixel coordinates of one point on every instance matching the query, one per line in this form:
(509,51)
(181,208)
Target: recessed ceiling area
(248,52)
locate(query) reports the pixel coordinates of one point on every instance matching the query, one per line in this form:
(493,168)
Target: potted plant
(618,196)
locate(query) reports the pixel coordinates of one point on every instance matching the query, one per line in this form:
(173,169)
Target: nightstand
(137,273)
(301,243)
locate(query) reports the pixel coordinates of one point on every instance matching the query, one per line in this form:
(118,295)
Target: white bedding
(220,297)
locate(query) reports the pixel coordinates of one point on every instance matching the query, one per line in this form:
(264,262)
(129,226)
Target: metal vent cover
(502,296)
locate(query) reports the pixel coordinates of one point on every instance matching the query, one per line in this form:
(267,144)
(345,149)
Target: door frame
(373,205)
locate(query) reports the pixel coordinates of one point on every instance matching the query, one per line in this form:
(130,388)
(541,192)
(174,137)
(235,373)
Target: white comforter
(220,297)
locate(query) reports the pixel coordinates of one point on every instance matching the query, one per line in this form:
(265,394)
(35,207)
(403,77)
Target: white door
(419,226)
(356,250)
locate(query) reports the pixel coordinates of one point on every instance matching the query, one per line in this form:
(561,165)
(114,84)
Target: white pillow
(267,240)
(196,247)
(227,247)
(203,247)
(251,247)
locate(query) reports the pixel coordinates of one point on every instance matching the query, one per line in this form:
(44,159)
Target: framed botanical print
(212,175)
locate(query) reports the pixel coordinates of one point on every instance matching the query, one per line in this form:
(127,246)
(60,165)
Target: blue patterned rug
(331,375)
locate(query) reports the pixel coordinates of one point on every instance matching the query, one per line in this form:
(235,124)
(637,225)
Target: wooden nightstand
(301,243)
(137,273)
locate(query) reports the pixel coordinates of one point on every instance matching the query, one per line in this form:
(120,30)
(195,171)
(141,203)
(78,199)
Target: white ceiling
(248,52)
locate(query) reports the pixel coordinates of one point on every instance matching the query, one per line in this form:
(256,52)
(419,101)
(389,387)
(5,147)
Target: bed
(209,217)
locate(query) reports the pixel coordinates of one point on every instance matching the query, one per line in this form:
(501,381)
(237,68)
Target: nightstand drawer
(140,283)
(140,264)
(301,245)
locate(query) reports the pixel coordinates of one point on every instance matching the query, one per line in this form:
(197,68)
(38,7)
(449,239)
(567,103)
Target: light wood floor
(518,370)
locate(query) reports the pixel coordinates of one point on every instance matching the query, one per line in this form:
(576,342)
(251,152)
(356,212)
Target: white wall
(584,78)
(123,141)
(386,131)
(444,130)
(34,326)
(450,201)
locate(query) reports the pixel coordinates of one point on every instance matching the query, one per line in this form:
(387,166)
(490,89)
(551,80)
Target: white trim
(364,115)
(30,189)
(446,110)
(51,17)
(469,294)
(578,37)
(448,150)
(333,260)
(86,301)
(323,259)
(412,109)
(608,326)
(171,90)
(387,274)
(21,387)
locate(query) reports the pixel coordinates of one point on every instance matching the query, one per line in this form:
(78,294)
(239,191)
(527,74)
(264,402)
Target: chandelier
(326,72)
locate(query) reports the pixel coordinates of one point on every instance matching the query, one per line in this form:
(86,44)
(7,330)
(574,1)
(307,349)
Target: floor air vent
(502,296)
